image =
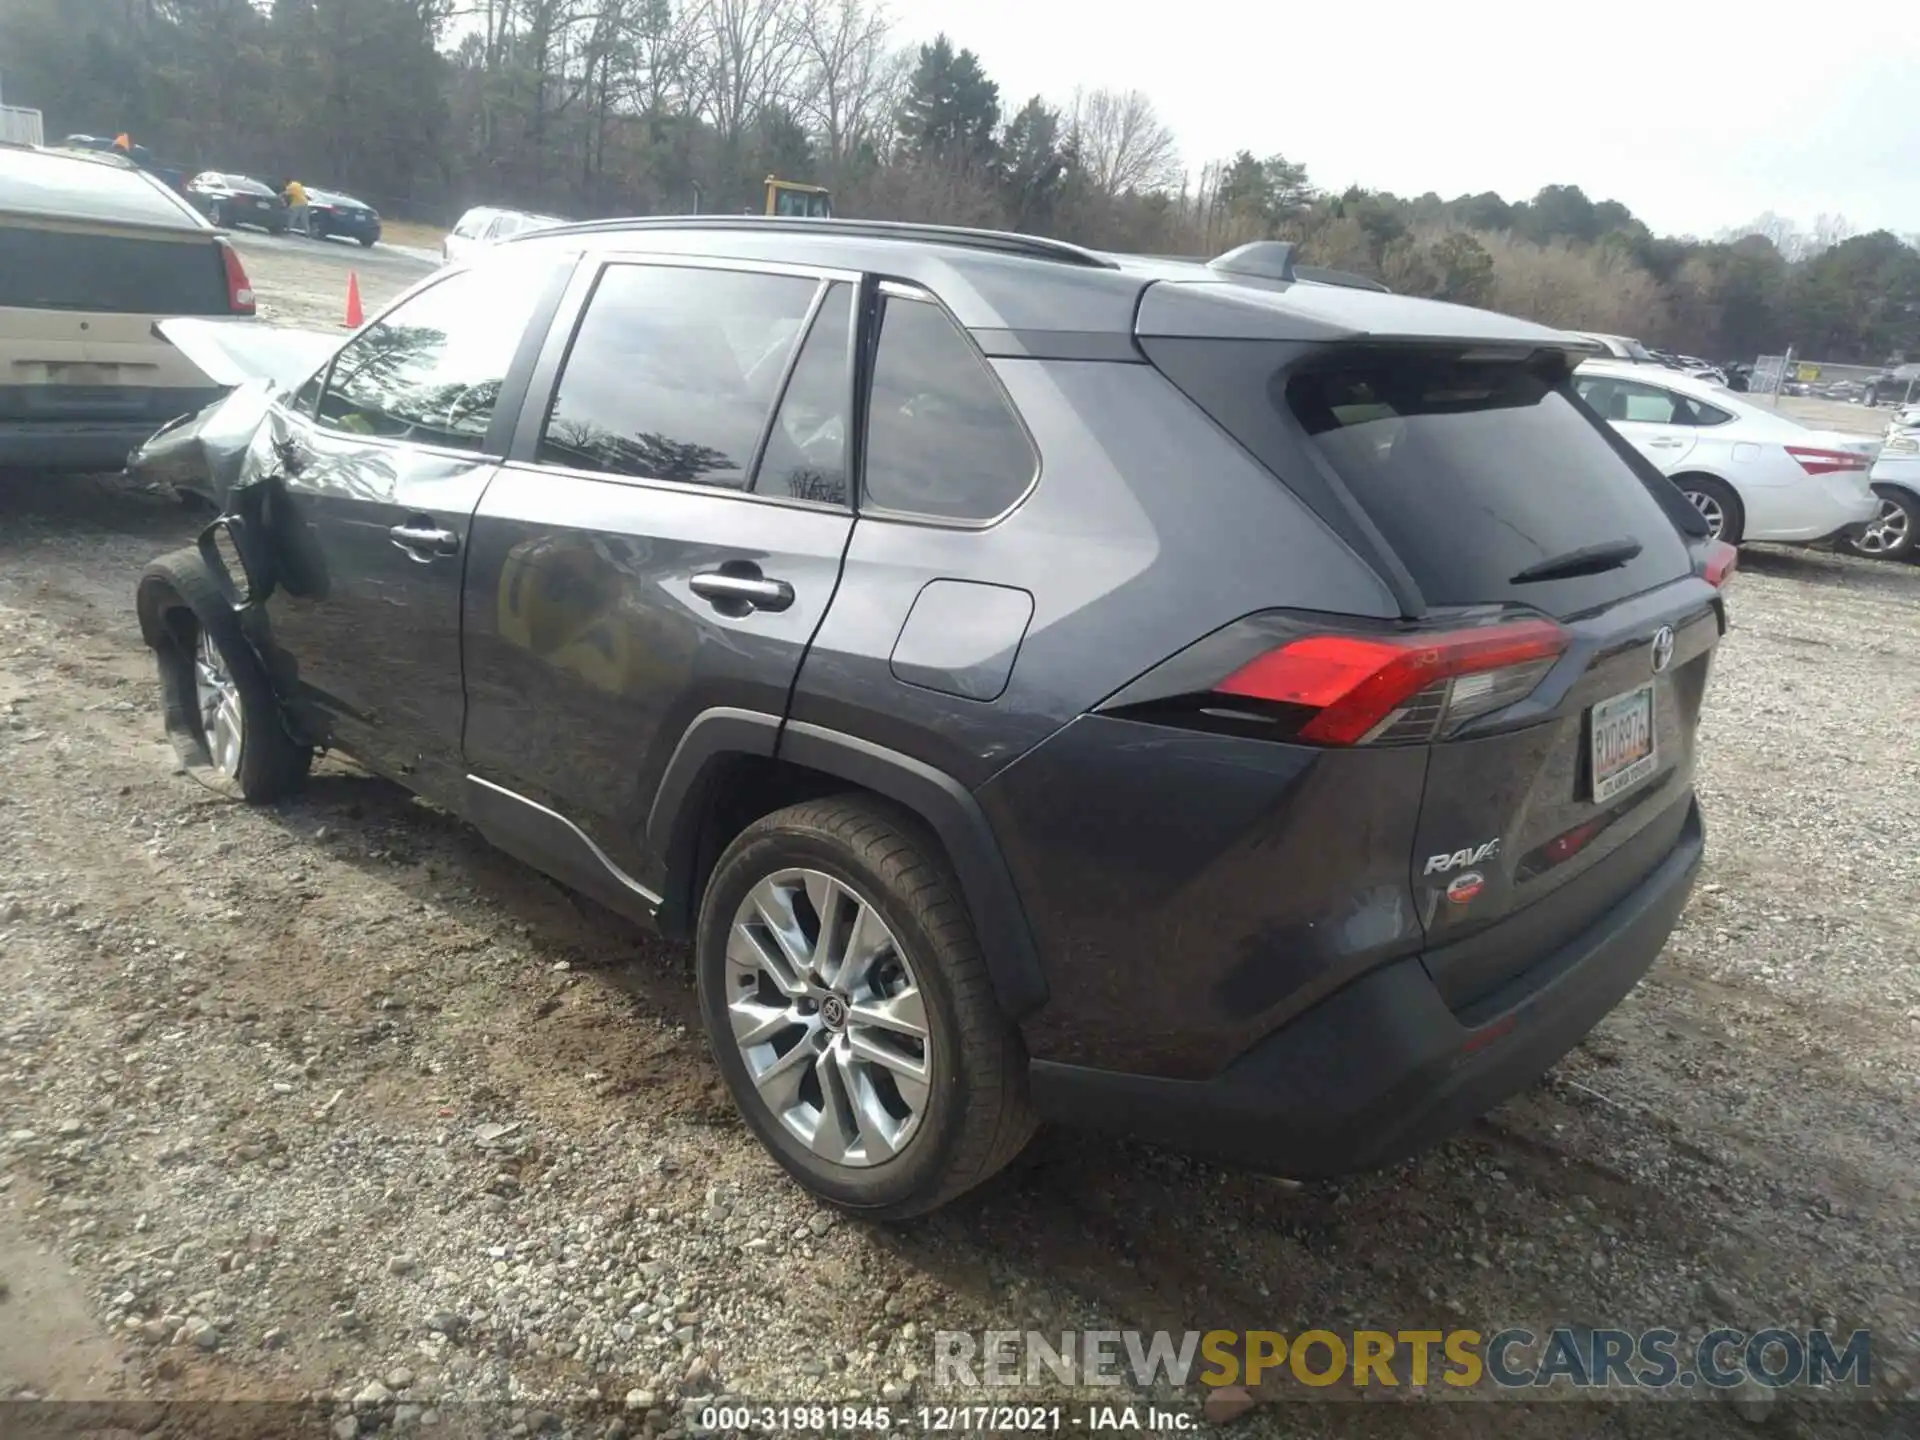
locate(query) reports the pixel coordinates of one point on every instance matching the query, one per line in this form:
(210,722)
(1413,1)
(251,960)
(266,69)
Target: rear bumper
(1828,508)
(83,445)
(1384,1068)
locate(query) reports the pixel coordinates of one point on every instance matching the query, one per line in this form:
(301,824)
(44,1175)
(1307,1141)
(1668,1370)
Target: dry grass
(411,232)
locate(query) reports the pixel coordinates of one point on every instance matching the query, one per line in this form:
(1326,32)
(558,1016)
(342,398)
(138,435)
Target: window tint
(431,371)
(118,274)
(1632,401)
(806,456)
(941,439)
(673,371)
(1474,471)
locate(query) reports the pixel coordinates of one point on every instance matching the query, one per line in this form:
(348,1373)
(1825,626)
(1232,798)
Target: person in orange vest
(297,214)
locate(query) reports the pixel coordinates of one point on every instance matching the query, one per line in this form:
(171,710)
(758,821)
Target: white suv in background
(1754,474)
(485,226)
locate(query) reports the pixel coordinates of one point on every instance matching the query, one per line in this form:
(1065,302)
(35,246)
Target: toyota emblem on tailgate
(1662,648)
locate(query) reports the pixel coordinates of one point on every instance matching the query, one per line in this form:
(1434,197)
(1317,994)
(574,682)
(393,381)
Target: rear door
(383,459)
(668,534)
(77,306)
(1654,420)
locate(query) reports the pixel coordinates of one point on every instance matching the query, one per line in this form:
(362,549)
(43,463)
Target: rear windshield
(1472,471)
(1475,471)
(111,274)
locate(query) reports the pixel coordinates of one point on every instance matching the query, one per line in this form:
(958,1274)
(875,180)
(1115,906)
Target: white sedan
(1752,473)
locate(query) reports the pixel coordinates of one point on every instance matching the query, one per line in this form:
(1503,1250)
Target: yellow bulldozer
(789,199)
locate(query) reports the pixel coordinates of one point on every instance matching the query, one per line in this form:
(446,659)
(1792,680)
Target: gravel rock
(582,1212)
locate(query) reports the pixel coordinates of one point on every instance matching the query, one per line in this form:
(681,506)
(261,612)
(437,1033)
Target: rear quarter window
(943,441)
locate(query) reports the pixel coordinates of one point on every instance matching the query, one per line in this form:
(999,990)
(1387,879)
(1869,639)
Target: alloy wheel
(222,722)
(1890,531)
(1710,511)
(829,1017)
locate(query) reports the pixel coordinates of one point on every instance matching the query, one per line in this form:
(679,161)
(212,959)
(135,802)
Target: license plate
(1622,741)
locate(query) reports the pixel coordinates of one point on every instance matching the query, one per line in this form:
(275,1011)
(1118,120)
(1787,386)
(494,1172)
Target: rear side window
(673,373)
(1475,471)
(110,274)
(806,454)
(1630,400)
(942,440)
(431,369)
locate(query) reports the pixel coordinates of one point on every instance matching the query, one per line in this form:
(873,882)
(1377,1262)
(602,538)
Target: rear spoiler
(232,352)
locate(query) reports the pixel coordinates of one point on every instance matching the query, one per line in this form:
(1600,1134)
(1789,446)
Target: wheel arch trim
(717,736)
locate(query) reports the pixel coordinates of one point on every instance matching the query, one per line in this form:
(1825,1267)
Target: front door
(667,536)
(381,473)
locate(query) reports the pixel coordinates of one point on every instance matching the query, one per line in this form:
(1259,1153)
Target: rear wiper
(1587,560)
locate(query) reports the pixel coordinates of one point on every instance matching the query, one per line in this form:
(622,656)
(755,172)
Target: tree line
(601,107)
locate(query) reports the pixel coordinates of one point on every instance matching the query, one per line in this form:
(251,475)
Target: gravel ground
(331,1104)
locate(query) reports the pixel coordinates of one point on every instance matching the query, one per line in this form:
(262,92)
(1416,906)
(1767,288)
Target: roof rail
(1032,247)
(1260,259)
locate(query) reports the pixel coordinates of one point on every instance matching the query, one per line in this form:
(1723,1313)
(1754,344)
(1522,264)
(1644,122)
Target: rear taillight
(239,288)
(1826,462)
(1719,562)
(1363,689)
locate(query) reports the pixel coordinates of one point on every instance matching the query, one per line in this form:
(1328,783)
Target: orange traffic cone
(355,316)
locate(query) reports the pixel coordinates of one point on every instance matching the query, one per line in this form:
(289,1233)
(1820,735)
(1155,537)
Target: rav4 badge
(1440,864)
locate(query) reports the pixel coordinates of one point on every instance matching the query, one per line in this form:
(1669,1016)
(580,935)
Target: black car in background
(230,200)
(330,213)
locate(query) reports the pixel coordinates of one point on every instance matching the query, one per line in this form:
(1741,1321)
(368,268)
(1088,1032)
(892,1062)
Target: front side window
(673,372)
(431,371)
(942,440)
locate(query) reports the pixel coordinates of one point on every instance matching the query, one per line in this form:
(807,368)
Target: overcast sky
(1658,106)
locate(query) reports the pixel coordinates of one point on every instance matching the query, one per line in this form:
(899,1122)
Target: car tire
(316,229)
(1717,503)
(1894,533)
(367,241)
(936,1115)
(221,712)
(217,215)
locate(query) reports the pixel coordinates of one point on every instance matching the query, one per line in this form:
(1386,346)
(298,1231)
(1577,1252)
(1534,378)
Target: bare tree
(1122,143)
(746,55)
(849,74)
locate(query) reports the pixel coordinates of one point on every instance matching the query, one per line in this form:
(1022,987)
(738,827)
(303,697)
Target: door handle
(425,541)
(721,586)
(1665,444)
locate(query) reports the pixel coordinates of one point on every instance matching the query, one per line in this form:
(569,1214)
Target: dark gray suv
(1217,701)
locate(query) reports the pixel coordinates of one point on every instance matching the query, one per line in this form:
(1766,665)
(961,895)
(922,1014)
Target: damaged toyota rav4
(1219,702)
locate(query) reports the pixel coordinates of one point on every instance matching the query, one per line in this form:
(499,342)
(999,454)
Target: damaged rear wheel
(221,713)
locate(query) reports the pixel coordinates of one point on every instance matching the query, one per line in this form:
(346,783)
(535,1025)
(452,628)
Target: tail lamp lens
(1398,688)
(1826,462)
(239,287)
(1722,560)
